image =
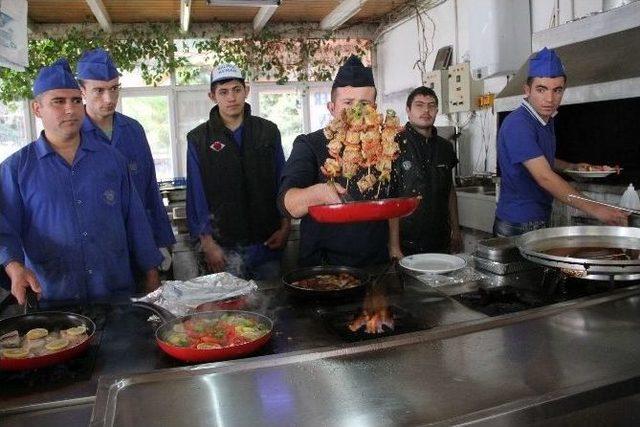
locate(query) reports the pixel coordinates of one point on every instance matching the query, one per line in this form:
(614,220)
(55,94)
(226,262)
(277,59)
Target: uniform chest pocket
(108,191)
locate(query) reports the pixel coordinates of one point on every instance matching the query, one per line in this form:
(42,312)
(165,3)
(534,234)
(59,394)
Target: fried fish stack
(360,139)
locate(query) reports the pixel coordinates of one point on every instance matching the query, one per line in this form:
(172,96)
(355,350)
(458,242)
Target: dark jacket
(355,245)
(424,168)
(239,183)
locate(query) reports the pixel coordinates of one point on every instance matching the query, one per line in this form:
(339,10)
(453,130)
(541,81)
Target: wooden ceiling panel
(59,11)
(202,12)
(374,9)
(130,11)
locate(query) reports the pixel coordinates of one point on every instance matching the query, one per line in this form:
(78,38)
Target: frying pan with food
(210,336)
(368,210)
(52,321)
(292,279)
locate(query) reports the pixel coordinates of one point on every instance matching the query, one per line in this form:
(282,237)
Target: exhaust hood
(600,69)
(600,54)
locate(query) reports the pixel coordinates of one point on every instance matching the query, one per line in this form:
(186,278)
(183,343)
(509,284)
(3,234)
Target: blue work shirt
(129,138)
(524,135)
(76,226)
(198,215)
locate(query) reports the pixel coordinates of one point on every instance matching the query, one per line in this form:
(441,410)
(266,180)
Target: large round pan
(308,272)
(193,355)
(369,210)
(53,321)
(535,244)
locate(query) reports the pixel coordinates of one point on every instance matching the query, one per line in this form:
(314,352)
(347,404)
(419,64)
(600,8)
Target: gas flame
(375,314)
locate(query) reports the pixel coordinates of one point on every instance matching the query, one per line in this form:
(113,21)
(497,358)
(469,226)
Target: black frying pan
(52,321)
(309,272)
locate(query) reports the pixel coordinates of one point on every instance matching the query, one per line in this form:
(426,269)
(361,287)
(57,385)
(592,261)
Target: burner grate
(337,322)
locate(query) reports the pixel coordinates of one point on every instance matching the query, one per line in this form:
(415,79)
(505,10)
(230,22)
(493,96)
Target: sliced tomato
(209,340)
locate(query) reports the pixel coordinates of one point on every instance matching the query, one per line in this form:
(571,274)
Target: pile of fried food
(361,139)
(328,282)
(40,342)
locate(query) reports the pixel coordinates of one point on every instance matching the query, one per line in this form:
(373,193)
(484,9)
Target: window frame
(171,92)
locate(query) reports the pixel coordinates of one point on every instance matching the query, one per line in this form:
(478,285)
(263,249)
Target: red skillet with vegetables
(211,336)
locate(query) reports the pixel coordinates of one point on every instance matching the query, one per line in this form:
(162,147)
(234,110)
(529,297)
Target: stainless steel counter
(468,365)
(513,369)
(126,346)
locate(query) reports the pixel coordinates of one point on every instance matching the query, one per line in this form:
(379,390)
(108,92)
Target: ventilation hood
(598,69)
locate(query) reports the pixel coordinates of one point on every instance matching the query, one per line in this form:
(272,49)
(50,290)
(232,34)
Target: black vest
(239,183)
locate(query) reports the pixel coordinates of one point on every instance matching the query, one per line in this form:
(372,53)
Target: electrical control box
(438,80)
(463,90)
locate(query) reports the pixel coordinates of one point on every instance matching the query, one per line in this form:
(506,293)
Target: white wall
(397,52)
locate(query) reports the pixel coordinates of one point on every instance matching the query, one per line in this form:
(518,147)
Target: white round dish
(433,263)
(589,174)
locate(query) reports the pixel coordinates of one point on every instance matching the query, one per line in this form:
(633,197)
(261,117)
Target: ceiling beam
(262,17)
(185,15)
(101,14)
(341,14)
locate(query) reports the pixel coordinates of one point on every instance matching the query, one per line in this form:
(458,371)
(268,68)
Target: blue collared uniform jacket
(523,136)
(76,226)
(129,138)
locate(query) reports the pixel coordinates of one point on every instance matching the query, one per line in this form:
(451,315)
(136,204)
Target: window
(318,113)
(284,108)
(193,108)
(153,114)
(14,133)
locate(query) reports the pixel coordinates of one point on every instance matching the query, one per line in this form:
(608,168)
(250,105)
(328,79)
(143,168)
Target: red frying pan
(368,210)
(52,321)
(194,355)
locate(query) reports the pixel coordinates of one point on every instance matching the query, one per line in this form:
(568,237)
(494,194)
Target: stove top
(553,287)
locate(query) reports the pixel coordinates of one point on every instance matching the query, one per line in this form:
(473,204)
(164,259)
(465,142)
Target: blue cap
(546,64)
(56,76)
(96,64)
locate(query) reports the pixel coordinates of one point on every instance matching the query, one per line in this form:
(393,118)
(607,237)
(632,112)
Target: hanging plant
(154,50)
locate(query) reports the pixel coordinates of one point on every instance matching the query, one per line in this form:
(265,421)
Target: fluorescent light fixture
(262,17)
(341,14)
(185,15)
(249,3)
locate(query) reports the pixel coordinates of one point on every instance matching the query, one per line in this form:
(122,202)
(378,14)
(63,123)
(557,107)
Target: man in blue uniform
(526,155)
(100,85)
(304,185)
(424,168)
(234,161)
(73,217)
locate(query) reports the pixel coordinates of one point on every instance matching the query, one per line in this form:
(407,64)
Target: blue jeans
(503,228)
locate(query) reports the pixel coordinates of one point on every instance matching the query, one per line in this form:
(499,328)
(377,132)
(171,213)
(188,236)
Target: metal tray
(503,268)
(500,249)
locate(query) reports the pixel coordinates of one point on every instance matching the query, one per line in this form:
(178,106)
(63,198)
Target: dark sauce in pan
(596,253)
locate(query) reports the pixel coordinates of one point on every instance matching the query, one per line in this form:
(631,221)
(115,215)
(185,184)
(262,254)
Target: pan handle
(31,301)
(164,314)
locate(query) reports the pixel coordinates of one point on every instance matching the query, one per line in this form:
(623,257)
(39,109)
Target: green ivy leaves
(154,48)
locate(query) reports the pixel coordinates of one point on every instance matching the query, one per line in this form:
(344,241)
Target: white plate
(589,174)
(433,263)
